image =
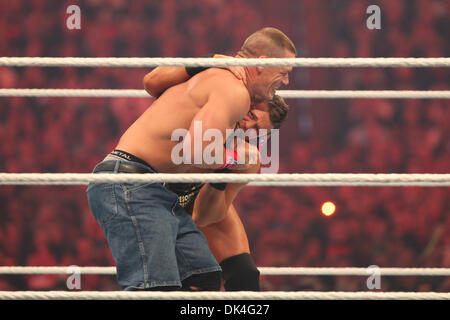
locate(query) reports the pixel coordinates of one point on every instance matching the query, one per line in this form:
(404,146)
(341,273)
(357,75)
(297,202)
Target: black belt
(123,168)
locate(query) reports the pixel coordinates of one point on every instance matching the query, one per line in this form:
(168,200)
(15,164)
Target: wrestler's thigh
(227,237)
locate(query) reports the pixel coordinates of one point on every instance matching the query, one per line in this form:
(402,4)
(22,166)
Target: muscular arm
(227,102)
(212,205)
(162,78)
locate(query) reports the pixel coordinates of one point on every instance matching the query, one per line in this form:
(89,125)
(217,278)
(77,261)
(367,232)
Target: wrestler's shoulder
(223,81)
(224,77)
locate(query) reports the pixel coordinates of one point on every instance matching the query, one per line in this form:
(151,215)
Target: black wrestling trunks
(187,192)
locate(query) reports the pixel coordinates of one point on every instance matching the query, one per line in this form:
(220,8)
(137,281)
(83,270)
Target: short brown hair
(269,42)
(278,110)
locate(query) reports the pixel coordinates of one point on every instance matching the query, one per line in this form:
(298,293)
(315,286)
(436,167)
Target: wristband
(231,159)
(220,185)
(225,170)
(192,71)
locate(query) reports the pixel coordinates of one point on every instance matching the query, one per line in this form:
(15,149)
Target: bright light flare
(328,208)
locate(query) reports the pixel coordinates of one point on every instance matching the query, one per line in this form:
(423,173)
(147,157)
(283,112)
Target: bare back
(149,137)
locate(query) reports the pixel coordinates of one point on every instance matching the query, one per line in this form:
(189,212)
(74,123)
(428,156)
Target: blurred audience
(388,227)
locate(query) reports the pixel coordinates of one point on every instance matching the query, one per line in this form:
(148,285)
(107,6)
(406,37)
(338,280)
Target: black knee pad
(209,281)
(240,273)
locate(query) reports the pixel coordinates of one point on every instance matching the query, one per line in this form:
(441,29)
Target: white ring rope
(282,179)
(215,62)
(287,271)
(218,295)
(367,94)
(254,179)
(289,94)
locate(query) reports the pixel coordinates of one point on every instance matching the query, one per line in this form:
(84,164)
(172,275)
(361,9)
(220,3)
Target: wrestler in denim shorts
(153,240)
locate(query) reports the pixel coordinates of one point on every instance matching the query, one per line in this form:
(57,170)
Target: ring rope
(220,295)
(427,179)
(214,62)
(282,179)
(287,271)
(289,94)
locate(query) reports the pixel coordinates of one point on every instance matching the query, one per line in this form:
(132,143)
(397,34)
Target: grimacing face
(257,118)
(271,78)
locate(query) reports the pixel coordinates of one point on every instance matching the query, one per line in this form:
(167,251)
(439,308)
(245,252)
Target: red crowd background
(384,226)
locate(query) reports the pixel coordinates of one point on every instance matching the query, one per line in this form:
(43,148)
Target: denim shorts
(153,240)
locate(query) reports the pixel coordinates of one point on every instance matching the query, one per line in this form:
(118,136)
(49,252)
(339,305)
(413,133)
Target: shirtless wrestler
(154,241)
(227,238)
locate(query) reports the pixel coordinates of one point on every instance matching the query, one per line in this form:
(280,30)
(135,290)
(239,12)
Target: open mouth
(273,90)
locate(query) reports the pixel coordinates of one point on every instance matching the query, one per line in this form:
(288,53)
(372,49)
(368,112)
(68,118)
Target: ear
(260,69)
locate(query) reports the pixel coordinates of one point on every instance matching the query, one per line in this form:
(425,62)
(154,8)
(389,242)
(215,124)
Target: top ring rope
(214,62)
(299,94)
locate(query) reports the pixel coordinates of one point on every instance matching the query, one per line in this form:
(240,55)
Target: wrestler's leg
(228,242)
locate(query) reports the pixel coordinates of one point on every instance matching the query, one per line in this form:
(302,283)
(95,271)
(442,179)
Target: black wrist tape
(192,71)
(220,185)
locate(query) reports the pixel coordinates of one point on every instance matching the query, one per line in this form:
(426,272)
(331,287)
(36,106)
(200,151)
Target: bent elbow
(151,85)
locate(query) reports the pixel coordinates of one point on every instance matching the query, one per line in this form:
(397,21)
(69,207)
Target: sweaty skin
(212,205)
(215,215)
(215,97)
(227,237)
(213,210)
